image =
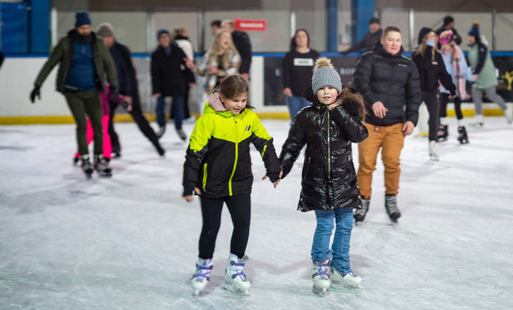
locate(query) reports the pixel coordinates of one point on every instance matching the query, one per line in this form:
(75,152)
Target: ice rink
(130,242)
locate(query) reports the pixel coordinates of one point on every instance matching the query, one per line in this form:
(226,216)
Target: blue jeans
(177,106)
(339,252)
(295,104)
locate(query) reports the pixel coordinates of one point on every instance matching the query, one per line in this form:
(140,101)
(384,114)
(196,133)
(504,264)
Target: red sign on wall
(250,24)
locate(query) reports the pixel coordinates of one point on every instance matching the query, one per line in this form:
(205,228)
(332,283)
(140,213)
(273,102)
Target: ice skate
(342,281)
(161,131)
(159,148)
(462,135)
(234,278)
(75,160)
(181,134)
(86,166)
(359,214)
(200,279)
(433,151)
(509,115)
(101,166)
(478,121)
(321,277)
(443,133)
(391,207)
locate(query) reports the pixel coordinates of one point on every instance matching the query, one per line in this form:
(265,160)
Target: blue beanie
(474,31)
(82,18)
(161,32)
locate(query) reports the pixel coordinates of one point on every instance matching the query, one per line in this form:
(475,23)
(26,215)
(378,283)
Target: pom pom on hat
(474,31)
(82,18)
(324,75)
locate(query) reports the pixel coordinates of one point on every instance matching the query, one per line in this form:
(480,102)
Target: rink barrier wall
(18,73)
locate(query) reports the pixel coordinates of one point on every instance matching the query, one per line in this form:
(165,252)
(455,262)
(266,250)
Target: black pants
(430,98)
(444,99)
(139,119)
(240,211)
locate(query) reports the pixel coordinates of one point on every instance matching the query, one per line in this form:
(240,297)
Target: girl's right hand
(190,198)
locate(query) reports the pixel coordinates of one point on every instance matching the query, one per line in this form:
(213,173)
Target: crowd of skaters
(96,75)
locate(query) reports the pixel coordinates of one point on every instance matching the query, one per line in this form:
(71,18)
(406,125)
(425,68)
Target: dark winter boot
(462,135)
(86,165)
(102,166)
(443,133)
(360,213)
(391,207)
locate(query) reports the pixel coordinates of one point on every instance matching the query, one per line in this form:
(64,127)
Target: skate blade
(434,158)
(345,287)
(231,288)
(319,291)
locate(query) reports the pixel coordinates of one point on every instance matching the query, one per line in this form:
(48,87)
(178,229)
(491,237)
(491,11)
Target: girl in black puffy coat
(329,185)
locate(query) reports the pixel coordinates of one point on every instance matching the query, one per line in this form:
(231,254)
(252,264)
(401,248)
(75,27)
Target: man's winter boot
(391,207)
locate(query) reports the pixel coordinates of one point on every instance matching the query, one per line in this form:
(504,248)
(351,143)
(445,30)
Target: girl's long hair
(421,49)
(216,47)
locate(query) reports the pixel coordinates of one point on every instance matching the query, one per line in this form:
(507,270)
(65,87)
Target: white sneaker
(433,151)
(349,279)
(234,278)
(509,115)
(200,279)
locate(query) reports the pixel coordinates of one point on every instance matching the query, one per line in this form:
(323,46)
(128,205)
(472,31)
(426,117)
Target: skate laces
(322,270)
(238,270)
(203,272)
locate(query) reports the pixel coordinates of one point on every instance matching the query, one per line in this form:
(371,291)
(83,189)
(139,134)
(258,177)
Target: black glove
(35,92)
(114,94)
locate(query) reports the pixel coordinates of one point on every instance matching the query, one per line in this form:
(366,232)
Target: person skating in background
(297,70)
(328,186)
(457,67)
(221,60)
(215,26)
(242,44)
(128,87)
(370,39)
(218,168)
(483,70)
(448,24)
(389,84)
(169,80)
(432,71)
(105,101)
(84,62)
(181,38)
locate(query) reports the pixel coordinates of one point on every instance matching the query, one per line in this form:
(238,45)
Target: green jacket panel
(487,77)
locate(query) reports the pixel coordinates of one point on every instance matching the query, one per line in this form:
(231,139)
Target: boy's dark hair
(293,44)
(391,29)
(216,22)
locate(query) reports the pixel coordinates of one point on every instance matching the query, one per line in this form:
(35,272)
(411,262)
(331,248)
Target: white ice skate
(348,280)
(321,277)
(234,278)
(478,121)
(433,151)
(202,276)
(509,115)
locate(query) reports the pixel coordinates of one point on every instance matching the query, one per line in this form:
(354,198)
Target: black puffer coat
(391,79)
(167,75)
(328,178)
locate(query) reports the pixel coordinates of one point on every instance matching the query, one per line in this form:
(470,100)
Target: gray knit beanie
(105,30)
(324,74)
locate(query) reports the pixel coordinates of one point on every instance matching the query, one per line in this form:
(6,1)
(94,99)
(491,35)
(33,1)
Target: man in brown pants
(389,84)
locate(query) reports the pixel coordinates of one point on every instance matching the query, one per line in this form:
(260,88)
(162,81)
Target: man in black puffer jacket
(389,84)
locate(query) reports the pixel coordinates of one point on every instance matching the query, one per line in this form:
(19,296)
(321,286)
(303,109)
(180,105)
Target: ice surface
(130,242)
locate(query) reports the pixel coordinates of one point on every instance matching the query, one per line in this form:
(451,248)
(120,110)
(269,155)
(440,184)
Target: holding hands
(275,183)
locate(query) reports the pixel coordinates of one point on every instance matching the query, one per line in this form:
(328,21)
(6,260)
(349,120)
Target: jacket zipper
(230,192)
